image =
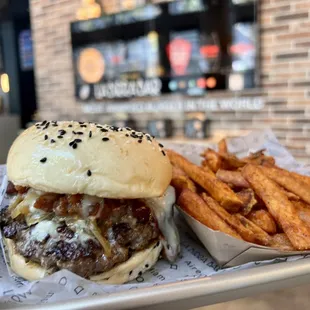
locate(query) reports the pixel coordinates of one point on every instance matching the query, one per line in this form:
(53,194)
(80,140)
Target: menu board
(155,47)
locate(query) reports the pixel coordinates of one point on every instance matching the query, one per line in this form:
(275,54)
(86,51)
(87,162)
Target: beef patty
(127,225)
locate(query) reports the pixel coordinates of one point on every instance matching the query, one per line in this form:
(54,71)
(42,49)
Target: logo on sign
(179,54)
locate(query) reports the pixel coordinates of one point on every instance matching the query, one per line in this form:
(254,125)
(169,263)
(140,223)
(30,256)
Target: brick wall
(285,72)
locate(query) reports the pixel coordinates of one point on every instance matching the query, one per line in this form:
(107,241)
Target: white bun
(125,272)
(128,165)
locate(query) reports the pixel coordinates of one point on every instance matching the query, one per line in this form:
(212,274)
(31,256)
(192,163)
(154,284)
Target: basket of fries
(246,208)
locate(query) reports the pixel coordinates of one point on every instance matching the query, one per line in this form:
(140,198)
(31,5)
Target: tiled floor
(290,299)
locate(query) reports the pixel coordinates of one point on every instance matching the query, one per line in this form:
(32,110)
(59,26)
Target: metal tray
(197,293)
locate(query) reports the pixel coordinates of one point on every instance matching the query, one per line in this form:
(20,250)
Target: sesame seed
(46,126)
(105,139)
(90,134)
(78,140)
(163,153)
(81,123)
(89,173)
(146,265)
(83,126)
(71,143)
(45,137)
(60,137)
(130,272)
(104,130)
(43,160)
(140,141)
(74,145)
(79,133)
(53,141)
(54,125)
(43,123)
(70,126)
(128,128)
(160,145)
(62,132)
(140,273)
(149,138)
(127,135)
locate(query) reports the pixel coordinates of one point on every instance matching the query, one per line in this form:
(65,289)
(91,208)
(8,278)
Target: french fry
(303,211)
(231,162)
(241,226)
(182,182)
(177,172)
(291,196)
(259,158)
(232,177)
(217,189)
(247,196)
(264,220)
(282,242)
(298,176)
(195,206)
(289,182)
(212,160)
(281,209)
(261,236)
(222,146)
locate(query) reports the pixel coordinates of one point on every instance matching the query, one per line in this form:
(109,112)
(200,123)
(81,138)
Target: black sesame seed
(104,130)
(79,133)
(55,125)
(105,139)
(74,132)
(99,127)
(147,266)
(140,273)
(127,135)
(89,173)
(71,143)
(43,123)
(70,126)
(90,134)
(163,153)
(43,160)
(130,272)
(46,126)
(62,132)
(60,137)
(83,126)
(140,141)
(128,128)
(74,145)
(45,137)
(78,140)
(157,244)
(160,145)
(81,123)
(149,138)
(53,141)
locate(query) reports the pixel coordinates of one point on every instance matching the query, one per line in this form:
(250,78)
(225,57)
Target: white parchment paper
(193,262)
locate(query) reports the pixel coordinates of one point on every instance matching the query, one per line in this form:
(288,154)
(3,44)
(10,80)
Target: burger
(92,199)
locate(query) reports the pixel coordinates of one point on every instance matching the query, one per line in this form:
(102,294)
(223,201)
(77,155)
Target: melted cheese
(88,201)
(44,228)
(163,210)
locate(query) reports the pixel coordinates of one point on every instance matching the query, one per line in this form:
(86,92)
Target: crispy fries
(217,189)
(247,196)
(288,181)
(264,220)
(281,242)
(182,182)
(222,147)
(177,172)
(212,160)
(245,232)
(232,177)
(260,235)
(279,206)
(195,206)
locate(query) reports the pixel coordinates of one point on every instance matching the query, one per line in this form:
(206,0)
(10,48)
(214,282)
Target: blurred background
(187,70)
